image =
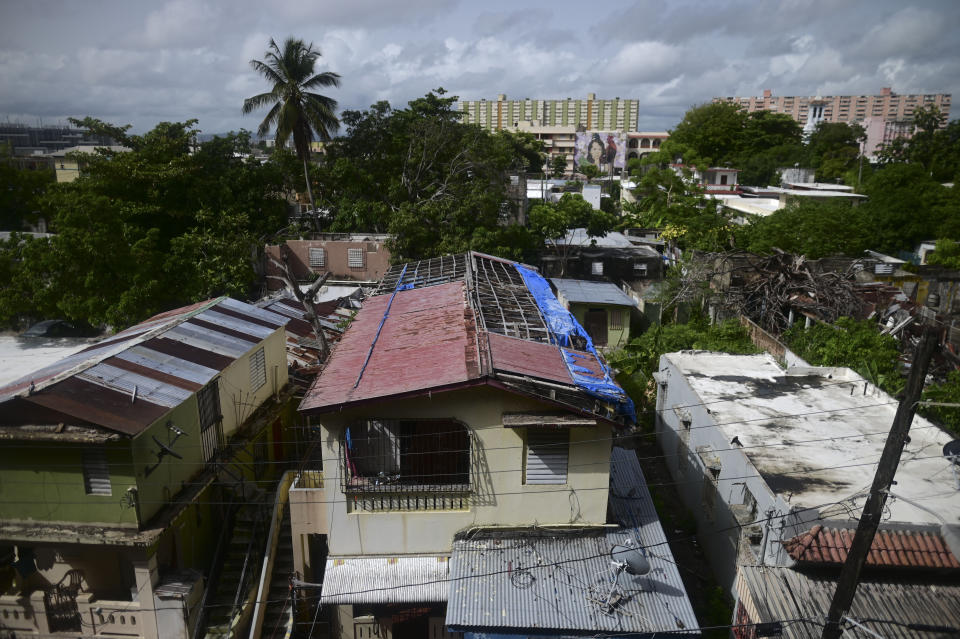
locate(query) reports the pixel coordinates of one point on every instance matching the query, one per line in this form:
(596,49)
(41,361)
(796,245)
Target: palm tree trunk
(313,205)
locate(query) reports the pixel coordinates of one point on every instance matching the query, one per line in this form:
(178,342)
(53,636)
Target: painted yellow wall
(500,496)
(237,400)
(616,337)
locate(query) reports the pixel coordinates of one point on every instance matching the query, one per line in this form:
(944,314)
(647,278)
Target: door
(596,326)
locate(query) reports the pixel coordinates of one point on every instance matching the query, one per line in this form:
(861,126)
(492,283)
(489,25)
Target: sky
(140,63)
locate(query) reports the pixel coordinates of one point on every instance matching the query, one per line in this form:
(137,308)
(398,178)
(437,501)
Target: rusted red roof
(532,359)
(890,548)
(428,341)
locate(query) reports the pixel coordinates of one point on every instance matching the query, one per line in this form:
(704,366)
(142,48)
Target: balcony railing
(27,615)
(363,496)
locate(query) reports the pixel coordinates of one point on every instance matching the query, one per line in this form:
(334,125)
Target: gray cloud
(177,59)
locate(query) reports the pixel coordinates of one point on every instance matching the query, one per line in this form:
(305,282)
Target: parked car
(60,328)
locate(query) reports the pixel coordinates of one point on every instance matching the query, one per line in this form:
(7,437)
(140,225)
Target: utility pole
(882,480)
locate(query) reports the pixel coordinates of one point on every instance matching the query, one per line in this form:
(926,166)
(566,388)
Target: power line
(565,489)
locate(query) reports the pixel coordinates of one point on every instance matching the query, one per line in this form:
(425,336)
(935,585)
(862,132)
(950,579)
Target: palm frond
(264,129)
(258,102)
(325,79)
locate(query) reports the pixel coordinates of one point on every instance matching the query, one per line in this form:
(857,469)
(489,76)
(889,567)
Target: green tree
(934,145)
(146,230)
(550,222)
(20,191)
(590,171)
(295,109)
(437,184)
(834,148)
(811,228)
(558,166)
(946,254)
(849,343)
(709,133)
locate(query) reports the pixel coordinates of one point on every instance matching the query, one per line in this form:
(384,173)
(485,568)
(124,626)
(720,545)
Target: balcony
(391,465)
(28,615)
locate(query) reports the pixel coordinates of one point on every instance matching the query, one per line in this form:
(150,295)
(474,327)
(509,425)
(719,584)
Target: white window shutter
(547,454)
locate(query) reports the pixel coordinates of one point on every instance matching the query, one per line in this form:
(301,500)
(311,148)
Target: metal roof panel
(379,580)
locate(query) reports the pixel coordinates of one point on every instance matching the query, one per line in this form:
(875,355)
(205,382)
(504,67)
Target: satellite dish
(951,450)
(165,450)
(632,559)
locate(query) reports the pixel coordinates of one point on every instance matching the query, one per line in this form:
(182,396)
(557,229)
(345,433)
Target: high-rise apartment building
(591,114)
(888,106)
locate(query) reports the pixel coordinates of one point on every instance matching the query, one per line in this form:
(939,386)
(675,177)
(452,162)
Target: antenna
(631,559)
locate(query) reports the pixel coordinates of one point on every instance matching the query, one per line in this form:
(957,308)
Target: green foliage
(144,231)
(640,358)
(834,149)
(946,254)
(709,133)
(856,345)
(933,146)
(671,201)
(947,391)
(20,191)
(558,166)
(591,171)
(437,184)
(907,206)
(296,110)
(811,228)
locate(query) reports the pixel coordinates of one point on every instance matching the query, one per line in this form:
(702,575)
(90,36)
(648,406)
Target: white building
(761,454)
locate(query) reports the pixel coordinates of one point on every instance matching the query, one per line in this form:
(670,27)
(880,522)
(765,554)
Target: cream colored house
(459,398)
(68,163)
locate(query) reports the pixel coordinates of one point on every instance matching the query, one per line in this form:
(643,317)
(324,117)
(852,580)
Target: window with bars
(640,269)
(596,268)
(318,257)
(208,403)
(616,319)
(547,453)
(258,370)
(355,258)
(96,472)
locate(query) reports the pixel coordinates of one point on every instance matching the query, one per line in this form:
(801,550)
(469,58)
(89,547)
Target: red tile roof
(890,548)
(428,341)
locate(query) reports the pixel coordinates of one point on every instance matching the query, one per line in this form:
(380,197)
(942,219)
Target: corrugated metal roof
(427,341)
(558,581)
(533,359)
(776,593)
(890,548)
(130,380)
(381,580)
(587,292)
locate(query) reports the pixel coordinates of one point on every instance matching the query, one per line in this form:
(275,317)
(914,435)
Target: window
(382,455)
(96,473)
(596,268)
(208,403)
(546,456)
(640,269)
(355,258)
(616,320)
(258,370)
(318,257)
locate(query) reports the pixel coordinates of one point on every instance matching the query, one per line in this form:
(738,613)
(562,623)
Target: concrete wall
(688,442)
(500,496)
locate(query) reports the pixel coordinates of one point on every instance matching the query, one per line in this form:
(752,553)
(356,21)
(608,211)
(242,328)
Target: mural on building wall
(604,149)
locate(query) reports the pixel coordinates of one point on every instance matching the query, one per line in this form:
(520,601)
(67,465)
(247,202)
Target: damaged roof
(464,320)
(126,382)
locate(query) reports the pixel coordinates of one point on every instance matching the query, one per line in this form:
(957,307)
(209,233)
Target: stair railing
(273,540)
(199,626)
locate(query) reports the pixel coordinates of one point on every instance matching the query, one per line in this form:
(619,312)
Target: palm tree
(294,110)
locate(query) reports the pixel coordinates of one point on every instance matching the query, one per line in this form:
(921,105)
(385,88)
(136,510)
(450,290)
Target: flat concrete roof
(816,434)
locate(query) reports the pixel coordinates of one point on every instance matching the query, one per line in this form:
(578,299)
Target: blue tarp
(564,326)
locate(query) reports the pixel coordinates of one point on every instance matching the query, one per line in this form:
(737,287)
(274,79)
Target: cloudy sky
(144,62)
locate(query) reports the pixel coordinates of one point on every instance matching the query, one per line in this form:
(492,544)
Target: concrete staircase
(278,616)
(241,561)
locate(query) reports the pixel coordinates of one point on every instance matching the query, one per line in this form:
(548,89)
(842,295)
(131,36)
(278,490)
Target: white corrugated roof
(356,580)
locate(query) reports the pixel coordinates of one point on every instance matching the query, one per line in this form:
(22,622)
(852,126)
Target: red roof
(532,359)
(428,341)
(890,548)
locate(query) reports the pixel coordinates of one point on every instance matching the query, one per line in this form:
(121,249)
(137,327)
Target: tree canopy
(438,185)
(143,231)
